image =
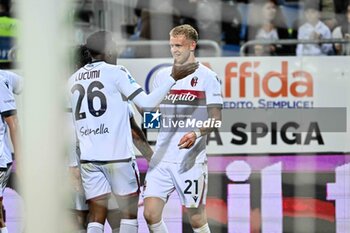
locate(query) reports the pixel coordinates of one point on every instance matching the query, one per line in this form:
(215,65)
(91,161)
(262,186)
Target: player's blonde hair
(187,30)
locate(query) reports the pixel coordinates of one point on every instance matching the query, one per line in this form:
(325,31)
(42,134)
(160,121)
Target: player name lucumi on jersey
(187,100)
(99,93)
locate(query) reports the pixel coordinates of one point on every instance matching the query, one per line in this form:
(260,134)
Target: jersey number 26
(91,95)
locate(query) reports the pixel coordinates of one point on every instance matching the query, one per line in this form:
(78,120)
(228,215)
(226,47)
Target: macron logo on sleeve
(7,83)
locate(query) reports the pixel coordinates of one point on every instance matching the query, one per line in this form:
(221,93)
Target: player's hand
(181,71)
(188,140)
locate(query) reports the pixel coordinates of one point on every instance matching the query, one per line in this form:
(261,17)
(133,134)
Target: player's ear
(193,45)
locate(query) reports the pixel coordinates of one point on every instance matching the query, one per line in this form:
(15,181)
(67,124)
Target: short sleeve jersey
(7,108)
(187,101)
(16,85)
(15,81)
(99,94)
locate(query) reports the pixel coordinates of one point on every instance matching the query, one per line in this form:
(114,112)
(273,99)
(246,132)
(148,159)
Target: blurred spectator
(328,16)
(330,20)
(231,21)
(205,17)
(340,10)
(187,10)
(213,19)
(8,30)
(266,22)
(208,17)
(343,32)
(260,50)
(156,18)
(313,29)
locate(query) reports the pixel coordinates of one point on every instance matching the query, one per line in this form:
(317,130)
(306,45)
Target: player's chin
(178,59)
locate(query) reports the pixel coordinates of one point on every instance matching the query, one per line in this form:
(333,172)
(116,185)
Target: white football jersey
(186,102)
(16,83)
(72,149)
(99,98)
(7,108)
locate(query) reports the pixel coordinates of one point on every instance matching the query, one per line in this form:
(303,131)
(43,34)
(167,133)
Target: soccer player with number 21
(179,161)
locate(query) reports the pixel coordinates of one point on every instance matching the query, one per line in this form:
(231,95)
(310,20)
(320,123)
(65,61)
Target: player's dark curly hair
(82,56)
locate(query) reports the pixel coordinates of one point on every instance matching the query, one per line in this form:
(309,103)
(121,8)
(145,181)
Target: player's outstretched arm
(150,101)
(140,140)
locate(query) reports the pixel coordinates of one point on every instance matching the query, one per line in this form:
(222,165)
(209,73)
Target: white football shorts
(102,178)
(191,185)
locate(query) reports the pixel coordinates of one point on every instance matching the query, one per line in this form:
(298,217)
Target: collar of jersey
(96,61)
